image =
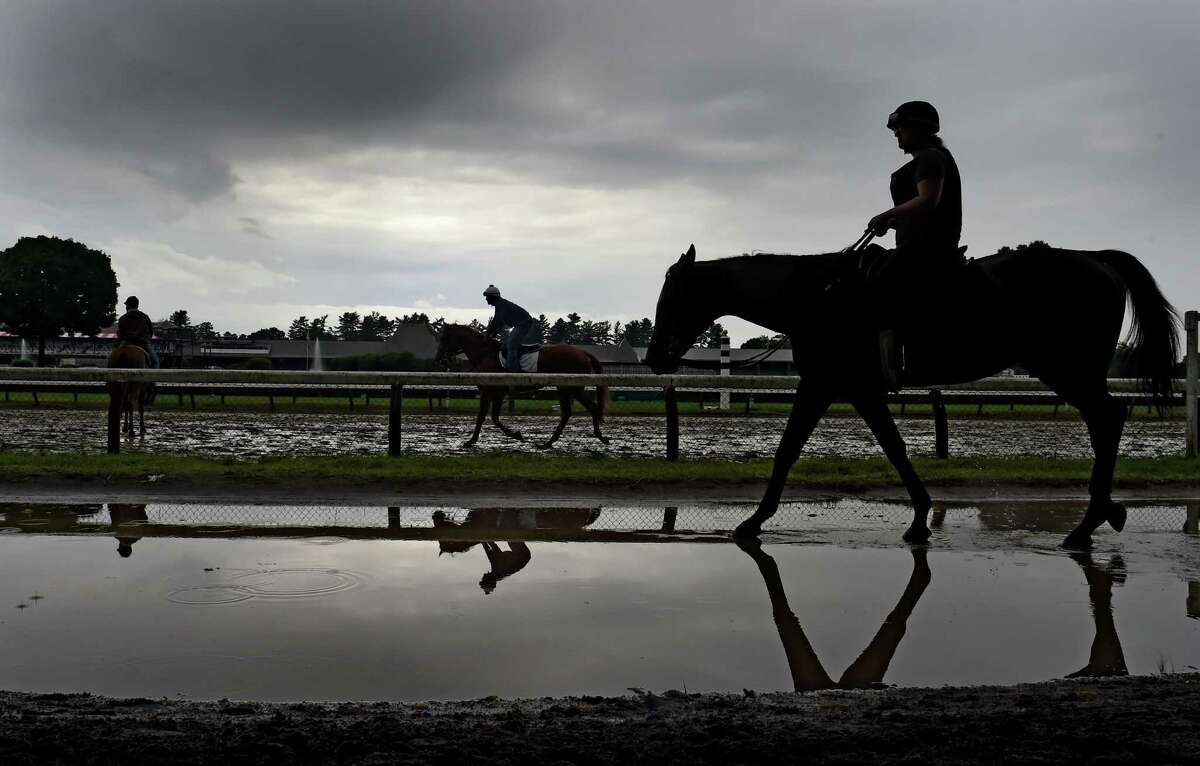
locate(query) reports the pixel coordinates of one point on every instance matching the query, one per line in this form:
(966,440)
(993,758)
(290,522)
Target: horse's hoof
(603,439)
(747,529)
(1116,516)
(468,445)
(1078,541)
(917,535)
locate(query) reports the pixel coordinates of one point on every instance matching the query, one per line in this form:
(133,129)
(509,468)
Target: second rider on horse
(520,325)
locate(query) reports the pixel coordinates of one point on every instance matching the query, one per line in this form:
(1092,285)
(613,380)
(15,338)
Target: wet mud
(1148,720)
(254,435)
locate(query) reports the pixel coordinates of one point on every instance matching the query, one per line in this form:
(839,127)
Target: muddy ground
(1143,720)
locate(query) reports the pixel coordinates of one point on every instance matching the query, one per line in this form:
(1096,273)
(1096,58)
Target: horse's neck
(478,348)
(772,291)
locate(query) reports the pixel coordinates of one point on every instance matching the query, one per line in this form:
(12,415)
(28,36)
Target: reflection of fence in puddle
(493,522)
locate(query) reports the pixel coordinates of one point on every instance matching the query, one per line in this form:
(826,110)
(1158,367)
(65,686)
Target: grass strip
(816,472)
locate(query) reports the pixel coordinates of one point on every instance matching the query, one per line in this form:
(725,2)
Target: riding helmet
(915,114)
(492,290)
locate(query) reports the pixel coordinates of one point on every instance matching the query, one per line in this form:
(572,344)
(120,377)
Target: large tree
(298,329)
(180,318)
(49,286)
(348,325)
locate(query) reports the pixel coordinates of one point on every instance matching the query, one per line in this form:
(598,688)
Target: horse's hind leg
(810,404)
(873,409)
(594,410)
(1105,419)
(564,414)
(511,433)
(142,411)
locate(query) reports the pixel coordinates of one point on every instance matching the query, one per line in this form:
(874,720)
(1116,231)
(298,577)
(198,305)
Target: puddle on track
(340,603)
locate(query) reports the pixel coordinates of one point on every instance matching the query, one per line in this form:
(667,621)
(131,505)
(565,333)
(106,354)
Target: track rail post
(672,423)
(395,409)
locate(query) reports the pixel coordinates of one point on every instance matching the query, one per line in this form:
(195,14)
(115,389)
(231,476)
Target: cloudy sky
(253,161)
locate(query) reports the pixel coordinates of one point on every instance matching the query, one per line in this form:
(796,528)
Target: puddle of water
(190,604)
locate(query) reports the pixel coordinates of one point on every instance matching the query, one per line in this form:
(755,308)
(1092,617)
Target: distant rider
(135,329)
(520,325)
(927,216)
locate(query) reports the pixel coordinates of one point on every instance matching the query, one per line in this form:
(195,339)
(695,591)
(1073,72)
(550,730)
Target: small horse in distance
(123,395)
(1057,313)
(483,355)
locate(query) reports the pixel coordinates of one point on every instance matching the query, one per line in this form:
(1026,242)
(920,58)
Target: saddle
(528,357)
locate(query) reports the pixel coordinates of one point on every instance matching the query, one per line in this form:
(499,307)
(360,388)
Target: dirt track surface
(1144,720)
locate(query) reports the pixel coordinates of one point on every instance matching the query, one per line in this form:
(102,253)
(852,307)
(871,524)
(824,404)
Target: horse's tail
(601,391)
(1154,327)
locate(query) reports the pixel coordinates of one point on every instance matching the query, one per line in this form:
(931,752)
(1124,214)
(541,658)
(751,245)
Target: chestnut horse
(483,355)
(123,395)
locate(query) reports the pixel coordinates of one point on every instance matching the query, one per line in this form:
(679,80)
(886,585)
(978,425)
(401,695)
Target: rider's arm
(931,174)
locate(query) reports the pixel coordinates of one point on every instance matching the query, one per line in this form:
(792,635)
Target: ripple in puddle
(269,583)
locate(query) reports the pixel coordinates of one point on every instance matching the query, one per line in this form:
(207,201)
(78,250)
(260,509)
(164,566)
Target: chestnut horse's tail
(601,391)
(1153,331)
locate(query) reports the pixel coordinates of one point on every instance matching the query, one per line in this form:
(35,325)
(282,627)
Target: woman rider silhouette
(927,216)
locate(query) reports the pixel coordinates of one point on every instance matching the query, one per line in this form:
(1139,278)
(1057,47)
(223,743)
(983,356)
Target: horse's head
(678,320)
(450,342)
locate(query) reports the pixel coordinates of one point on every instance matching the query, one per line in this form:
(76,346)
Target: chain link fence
(547,522)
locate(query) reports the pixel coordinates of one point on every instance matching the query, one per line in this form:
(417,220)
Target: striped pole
(725,370)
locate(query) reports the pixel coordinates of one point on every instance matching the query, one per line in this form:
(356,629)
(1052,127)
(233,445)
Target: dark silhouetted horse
(1057,313)
(122,396)
(483,355)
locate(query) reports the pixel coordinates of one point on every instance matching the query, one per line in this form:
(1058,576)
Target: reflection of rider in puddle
(865,672)
(124,513)
(504,563)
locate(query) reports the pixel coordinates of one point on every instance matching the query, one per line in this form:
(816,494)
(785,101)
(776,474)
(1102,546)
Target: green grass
(832,473)
(546,404)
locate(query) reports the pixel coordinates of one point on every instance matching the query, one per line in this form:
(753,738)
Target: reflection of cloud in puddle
(271,584)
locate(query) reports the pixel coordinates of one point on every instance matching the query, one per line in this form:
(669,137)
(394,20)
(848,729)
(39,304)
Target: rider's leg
(512,350)
(151,388)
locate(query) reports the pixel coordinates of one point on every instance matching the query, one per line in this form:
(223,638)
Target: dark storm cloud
(179,88)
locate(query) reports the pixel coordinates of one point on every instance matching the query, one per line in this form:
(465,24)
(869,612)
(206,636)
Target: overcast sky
(253,161)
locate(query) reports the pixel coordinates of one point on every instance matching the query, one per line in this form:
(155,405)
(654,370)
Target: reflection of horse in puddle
(504,563)
(865,672)
(1105,659)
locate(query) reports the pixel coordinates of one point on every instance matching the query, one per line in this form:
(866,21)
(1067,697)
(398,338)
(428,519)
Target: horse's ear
(688,258)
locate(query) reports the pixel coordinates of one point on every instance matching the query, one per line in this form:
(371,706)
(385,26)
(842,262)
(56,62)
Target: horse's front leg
(142,412)
(483,407)
(873,409)
(511,433)
(810,404)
